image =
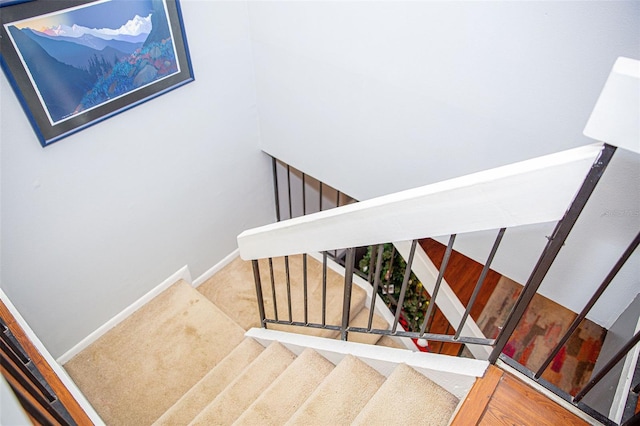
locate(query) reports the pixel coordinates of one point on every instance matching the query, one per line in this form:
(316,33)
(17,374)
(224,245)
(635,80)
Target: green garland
(415,301)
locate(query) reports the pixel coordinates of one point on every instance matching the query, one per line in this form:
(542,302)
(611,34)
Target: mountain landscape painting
(81,58)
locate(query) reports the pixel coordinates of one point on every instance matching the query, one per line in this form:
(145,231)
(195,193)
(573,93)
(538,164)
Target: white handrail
(529,192)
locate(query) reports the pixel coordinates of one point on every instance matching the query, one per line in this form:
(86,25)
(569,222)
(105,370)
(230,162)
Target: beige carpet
(390,342)
(417,392)
(341,396)
(211,385)
(233,289)
(181,360)
(361,320)
(136,371)
(281,400)
(247,387)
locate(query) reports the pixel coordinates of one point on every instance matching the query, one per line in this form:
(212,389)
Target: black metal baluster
(256,278)
(289,189)
(324,288)
(374,251)
(405,281)
(483,275)
(436,288)
(346,301)
(274,162)
(551,250)
(273,289)
(304,278)
(304,195)
(288,277)
(335,252)
(376,281)
(603,286)
(632,396)
(390,272)
(607,367)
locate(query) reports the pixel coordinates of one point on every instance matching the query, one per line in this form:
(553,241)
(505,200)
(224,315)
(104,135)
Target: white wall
(376,97)
(93,222)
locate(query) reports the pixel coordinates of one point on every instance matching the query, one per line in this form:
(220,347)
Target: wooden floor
(501,399)
(462,274)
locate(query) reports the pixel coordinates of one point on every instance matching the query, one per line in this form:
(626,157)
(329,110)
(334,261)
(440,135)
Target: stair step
(333,316)
(341,396)
(361,320)
(211,385)
(233,289)
(390,342)
(422,401)
(247,387)
(141,367)
(281,400)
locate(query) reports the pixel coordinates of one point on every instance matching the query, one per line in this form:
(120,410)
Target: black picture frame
(78,67)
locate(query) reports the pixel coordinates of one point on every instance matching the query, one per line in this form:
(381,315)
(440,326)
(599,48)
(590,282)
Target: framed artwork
(74,63)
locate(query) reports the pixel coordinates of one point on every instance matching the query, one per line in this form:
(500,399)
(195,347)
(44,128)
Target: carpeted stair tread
(240,304)
(390,342)
(233,289)
(361,320)
(141,367)
(210,386)
(247,387)
(333,316)
(423,401)
(289,391)
(341,396)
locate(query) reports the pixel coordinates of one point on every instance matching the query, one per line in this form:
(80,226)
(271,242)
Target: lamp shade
(616,117)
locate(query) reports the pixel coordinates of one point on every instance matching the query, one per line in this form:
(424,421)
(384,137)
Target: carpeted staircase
(183,359)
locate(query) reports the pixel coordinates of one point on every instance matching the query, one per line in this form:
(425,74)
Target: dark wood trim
(61,391)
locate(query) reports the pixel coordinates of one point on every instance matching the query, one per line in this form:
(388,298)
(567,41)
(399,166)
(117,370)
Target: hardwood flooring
(462,274)
(499,398)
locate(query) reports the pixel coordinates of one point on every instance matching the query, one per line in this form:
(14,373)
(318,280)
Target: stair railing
(344,327)
(27,382)
(347,257)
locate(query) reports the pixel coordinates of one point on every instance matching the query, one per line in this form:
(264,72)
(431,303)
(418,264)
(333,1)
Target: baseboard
(55,366)
(216,268)
(182,274)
